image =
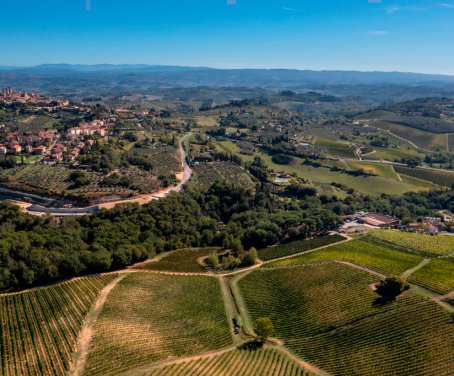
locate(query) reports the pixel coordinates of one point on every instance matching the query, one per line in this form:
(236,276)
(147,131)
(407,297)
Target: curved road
(33,203)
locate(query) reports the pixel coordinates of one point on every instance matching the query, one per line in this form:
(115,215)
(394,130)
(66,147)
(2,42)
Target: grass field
(267,361)
(375,185)
(374,256)
(437,275)
(374,168)
(150,317)
(39,329)
(392,154)
(331,320)
(433,245)
(288,249)
(184,260)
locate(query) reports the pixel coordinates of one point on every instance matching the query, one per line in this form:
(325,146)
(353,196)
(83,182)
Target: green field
(432,245)
(267,361)
(39,328)
(380,258)
(332,321)
(150,317)
(442,178)
(309,299)
(374,168)
(207,174)
(421,139)
(437,275)
(288,249)
(184,260)
(393,154)
(375,185)
(411,337)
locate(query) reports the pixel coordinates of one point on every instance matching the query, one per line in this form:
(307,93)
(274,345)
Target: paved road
(42,205)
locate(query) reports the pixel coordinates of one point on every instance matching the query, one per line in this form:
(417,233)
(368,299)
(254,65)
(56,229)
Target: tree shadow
(382,301)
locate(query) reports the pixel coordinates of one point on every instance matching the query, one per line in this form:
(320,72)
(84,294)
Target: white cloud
(447,5)
(290,9)
(395,8)
(378,33)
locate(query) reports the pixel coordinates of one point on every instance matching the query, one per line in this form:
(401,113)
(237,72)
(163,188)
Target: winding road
(38,205)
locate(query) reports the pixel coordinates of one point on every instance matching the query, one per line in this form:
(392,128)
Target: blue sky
(400,35)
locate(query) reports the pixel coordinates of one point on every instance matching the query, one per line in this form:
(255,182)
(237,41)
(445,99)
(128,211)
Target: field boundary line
(231,308)
(84,339)
(307,366)
(347,239)
(167,362)
(410,271)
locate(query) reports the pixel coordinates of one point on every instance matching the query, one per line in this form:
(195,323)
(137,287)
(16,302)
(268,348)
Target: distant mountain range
(245,77)
(66,78)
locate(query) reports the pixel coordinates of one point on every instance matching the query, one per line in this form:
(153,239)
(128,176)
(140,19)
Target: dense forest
(37,250)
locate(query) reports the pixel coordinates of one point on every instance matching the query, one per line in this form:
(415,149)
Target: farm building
(379,220)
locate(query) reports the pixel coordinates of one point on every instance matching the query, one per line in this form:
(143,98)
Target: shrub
(264,327)
(392,287)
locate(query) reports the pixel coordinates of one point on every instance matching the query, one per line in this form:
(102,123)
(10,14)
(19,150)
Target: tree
(213,260)
(250,258)
(392,287)
(264,327)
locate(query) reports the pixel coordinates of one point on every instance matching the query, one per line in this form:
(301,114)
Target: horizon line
(223,68)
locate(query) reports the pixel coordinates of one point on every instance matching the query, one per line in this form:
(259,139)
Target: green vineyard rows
(316,297)
(333,320)
(184,260)
(39,328)
(432,245)
(411,337)
(437,275)
(289,249)
(150,317)
(444,178)
(266,362)
(376,257)
(207,174)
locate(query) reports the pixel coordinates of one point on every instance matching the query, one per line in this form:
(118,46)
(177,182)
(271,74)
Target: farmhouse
(378,220)
(3,150)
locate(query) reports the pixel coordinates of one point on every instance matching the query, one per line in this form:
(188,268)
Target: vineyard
(150,317)
(165,161)
(317,297)
(437,275)
(39,328)
(331,320)
(209,173)
(432,245)
(289,249)
(444,178)
(410,337)
(374,256)
(185,260)
(268,361)
(56,179)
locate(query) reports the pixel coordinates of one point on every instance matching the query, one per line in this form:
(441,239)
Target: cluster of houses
(28,142)
(44,143)
(428,225)
(66,151)
(96,127)
(9,96)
